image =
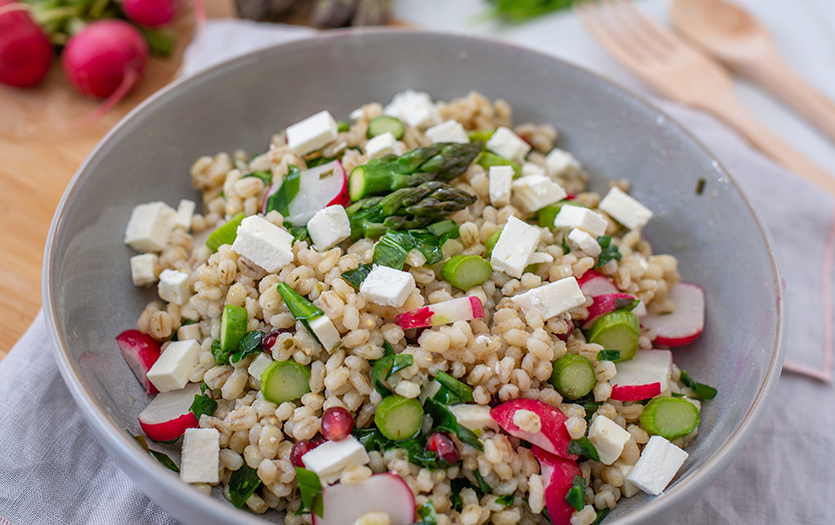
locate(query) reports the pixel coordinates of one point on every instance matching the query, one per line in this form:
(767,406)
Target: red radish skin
(318,189)
(603,304)
(635,392)
(387,492)
(687,321)
(460,309)
(150,13)
(593,283)
(141,351)
(644,376)
(553,436)
(169,414)
(25,50)
(105,58)
(559,476)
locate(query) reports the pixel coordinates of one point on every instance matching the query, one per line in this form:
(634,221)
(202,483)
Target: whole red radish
(150,13)
(25,50)
(105,58)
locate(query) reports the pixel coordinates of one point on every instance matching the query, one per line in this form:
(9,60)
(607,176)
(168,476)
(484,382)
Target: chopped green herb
(443,419)
(460,390)
(342,126)
(356,276)
(517,11)
(444,227)
(506,500)
(318,161)
(457,485)
(203,405)
(242,483)
(483,487)
(299,233)
(487,159)
(310,490)
(203,387)
(393,249)
(576,496)
(608,250)
(427,514)
(602,513)
(700,186)
(165,460)
(250,343)
(387,365)
(589,404)
(564,243)
(480,135)
(583,447)
(221,357)
(280,200)
(701,390)
(608,355)
(301,308)
(427,244)
(265,176)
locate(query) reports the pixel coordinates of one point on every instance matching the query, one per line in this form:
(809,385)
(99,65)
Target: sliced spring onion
(226,234)
(576,496)
(701,390)
(458,388)
(398,418)
(670,417)
(385,124)
(466,271)
(487,159)
(573,376)
(618,330)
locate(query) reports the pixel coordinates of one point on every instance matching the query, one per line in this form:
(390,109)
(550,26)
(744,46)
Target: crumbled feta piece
(501,182)
(387,287)
(625,209)
(326,332)
(189,331)
(149,227)
(174,287)
(658,464)
(529,168)
(328,227)
(449,131)
(264,243)
(527,421)
(329,459)
(608,438)
(384,144)
(185,211)
(559,161)
(508,144)
(171,370)
(259,364)
(533,192)
(552,298)
(585,242)
(312,133)
(516,243)
(474,417)
(201,456)
(414,108)
(571,217)
(143,269)
(540,257)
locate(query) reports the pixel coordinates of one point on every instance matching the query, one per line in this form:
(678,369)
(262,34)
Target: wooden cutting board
(40,151)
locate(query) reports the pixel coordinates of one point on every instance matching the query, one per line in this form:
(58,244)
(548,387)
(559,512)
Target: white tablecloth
(52,470)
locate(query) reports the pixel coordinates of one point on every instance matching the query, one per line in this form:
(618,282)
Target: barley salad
(418,315)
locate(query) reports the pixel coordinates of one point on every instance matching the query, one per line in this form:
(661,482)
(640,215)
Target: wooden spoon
(740,42)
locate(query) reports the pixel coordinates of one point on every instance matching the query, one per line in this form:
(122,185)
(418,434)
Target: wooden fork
(681,73)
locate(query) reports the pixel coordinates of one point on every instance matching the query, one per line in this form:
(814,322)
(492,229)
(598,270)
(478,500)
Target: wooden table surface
(40,152)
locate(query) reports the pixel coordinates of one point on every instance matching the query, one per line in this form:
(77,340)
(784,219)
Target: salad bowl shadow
(89,298)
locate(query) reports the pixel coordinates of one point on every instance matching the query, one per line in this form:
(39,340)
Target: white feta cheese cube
(387,287)
(571,217)
(328,227)
(150,226)
(326,332)
(185,211)
(201,456)
(559,161)
(529,168)
(329,459)
(174,287)
(449,131)
(474,417)
(414,108)
(312,133)
(540,257)
(501,182)
(516,243)
(608,438)
(259,364)
(189,331)
(628,489)
(264,243)
(625,209)
(533,192)
(552,298)
(508,144)
(143,269)
(585,242)
(658,464)
(384,144)
(171,370)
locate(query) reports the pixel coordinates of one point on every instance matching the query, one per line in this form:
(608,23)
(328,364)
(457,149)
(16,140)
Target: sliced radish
(605,303)
(686,322)
(559,477)
(461,309)
(319,188)
(169,414)
(552,437)
(347,502)
(593,283)
(644,376)
(141,351)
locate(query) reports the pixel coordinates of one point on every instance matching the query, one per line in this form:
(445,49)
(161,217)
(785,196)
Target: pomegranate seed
(269,339)
(441,444)
(564,336)
(300,448)
(337,424)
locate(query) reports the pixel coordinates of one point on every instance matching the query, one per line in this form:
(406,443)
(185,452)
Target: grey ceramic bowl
(89,298)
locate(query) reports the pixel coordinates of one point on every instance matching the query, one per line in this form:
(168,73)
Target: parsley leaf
(483,487)
(250,343)
(221,357)
(608,355)
(608,251)
(203,404)
(310,490)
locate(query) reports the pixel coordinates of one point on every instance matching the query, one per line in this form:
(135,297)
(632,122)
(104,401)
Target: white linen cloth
(52,470)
